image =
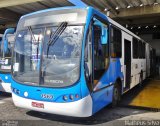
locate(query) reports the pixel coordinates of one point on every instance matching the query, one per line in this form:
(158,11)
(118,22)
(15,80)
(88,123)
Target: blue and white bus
(5,60)
(74,61)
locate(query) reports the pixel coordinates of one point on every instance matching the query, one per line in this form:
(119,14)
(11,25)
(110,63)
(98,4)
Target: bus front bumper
(80,108)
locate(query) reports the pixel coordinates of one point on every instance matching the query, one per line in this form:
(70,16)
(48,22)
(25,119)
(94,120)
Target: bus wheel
(116,95)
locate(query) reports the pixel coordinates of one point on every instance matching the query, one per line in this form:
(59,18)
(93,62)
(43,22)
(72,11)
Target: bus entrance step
(145,97)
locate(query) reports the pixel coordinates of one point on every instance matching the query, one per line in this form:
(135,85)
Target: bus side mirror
(5,45)
(104,35)
(104,31)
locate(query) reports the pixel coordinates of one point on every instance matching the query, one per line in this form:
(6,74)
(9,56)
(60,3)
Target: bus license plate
(37,105)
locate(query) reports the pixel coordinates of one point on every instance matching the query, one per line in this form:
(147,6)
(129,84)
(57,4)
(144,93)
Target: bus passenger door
(100,62)
(127,60)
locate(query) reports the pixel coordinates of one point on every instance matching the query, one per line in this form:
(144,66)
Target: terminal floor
(145,96)
(108,116)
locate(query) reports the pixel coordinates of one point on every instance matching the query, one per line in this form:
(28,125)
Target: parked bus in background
(74,61)
(5,60)
(1,35)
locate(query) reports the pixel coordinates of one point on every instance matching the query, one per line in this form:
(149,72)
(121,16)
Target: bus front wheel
(116,95)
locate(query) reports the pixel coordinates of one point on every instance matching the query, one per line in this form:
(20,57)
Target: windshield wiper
(56,35)
(34,40)
(31,32)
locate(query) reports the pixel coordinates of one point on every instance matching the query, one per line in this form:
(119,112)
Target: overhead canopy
(130,12)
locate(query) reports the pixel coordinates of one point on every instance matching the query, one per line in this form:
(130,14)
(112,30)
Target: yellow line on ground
(149,97)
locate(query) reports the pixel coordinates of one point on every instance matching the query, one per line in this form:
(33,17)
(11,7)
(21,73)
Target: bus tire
(116,95)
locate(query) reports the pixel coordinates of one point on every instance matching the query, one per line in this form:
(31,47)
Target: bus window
(144,48)
(28,47)
(100,55)
(116,43)
(88,59)
(140,50)
(135,49)
(61,59)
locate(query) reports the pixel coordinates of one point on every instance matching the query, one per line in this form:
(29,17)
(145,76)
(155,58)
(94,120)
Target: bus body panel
(5,84)
(103,91)
(138,65)
(80,108)
(102,98)
(84,88)
(112,73)
(47,94)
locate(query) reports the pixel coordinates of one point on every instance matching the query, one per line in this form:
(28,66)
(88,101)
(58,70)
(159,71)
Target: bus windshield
(5,56)
(48,56)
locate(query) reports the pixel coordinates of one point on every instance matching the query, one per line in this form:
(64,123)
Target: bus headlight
(6,77)
(65,98)
(71,97)
(26,94)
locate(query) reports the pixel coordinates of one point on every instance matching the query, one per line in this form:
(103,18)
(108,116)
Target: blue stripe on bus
(36,92)
(6,78)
